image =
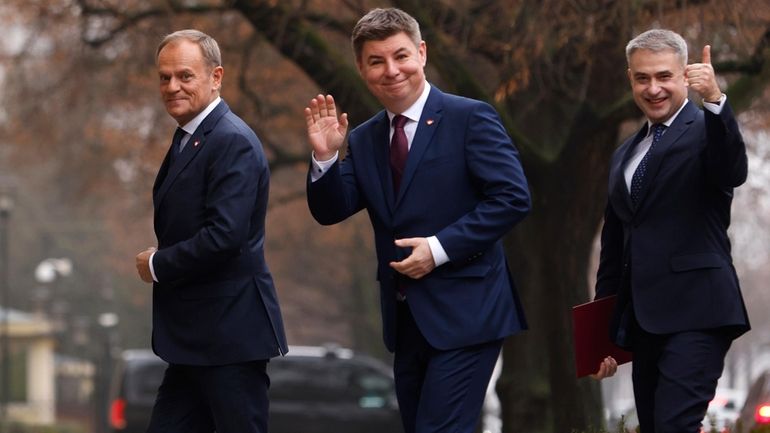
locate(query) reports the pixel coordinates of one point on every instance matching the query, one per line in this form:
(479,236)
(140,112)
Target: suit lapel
(379,137)
(193,146)
(672,134)
(162,172)
(426,127)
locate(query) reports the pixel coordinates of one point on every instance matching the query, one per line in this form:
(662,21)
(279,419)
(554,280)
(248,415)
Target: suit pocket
(473,270)
(208,290)
(691,262)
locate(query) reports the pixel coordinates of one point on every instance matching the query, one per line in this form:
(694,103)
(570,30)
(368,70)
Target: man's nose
(655,87)
(172,85)
(391,68)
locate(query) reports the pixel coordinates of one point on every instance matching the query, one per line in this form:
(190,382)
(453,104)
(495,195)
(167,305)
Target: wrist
(713,98)
(323,157)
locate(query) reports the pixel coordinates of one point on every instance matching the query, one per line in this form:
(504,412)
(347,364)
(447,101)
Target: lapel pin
(196,143)
(429,122)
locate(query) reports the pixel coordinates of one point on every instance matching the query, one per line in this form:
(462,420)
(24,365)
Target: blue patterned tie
(638,178)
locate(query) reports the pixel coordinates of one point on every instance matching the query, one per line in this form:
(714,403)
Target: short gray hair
(380,24)
(208,45)
(657,40)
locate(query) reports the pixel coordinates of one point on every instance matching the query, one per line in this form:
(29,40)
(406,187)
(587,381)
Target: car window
(375,389)
(327,380)
(143,381)
(307,379)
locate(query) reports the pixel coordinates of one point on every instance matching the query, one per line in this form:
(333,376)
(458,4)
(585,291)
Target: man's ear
(218,73)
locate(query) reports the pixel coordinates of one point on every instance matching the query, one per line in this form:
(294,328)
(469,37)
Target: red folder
(590,325)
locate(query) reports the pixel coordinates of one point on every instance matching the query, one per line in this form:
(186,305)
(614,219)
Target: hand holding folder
(590,325)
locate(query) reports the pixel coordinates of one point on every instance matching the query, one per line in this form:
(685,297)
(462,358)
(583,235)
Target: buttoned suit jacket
(669,257)
(463,183)
(215,302)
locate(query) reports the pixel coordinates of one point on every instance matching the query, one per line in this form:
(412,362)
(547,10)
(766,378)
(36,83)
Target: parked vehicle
(318,390)
(723,410)
(756,410)
(138,374)
(313,390)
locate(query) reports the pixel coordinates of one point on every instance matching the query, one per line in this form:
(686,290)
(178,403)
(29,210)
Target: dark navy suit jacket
(215,302)
(671,252)
(463,183)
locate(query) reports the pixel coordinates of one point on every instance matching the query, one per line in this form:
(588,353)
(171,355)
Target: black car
(137,376)
(312,390)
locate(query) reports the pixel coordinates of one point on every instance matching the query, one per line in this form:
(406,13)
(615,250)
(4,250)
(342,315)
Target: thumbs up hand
(701,78)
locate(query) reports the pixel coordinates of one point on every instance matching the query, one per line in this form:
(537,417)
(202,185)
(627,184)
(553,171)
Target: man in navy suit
(664,245)
(216,319)
(440,197)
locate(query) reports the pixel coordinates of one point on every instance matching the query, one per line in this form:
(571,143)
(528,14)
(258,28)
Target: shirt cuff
(715,107)
(321,167)
(439,255)
(152,270)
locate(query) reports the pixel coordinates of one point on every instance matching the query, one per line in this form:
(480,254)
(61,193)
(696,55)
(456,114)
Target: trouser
(439,390)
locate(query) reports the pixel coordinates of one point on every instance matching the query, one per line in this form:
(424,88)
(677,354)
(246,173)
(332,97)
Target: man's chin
(657,115)
(175,112)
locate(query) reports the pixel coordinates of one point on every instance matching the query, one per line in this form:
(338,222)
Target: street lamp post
(6,206)
(108,323)
(48,274)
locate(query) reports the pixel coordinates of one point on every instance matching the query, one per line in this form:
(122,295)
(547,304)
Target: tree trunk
(549,255)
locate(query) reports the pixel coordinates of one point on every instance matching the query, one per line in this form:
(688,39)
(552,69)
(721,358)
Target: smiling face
(187,83)
(657,82)
(393,70)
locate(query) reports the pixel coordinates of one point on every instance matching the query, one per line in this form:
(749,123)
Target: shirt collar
(414,112)
(192,125)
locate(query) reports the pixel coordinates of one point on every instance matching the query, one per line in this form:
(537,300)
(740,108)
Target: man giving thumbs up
(664,245)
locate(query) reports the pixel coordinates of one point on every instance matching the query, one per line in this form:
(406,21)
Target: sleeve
(152,268)
(319,168)
(726,160)
(334,196)
(610,272)
(504,199)
(437,251)
(715,107)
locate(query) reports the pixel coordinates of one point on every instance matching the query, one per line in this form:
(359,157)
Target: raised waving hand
(325,131)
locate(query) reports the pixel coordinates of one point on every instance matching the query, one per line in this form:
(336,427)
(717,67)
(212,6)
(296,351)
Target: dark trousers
(675,376)
(439,390)
(225,399)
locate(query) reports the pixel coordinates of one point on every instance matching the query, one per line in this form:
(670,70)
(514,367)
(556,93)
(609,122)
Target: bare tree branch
(116,21)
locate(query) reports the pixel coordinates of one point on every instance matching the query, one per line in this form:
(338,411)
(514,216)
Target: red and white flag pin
(429,122)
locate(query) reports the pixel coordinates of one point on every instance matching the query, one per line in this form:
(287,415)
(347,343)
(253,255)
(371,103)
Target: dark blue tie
(641,170)
(176,144)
